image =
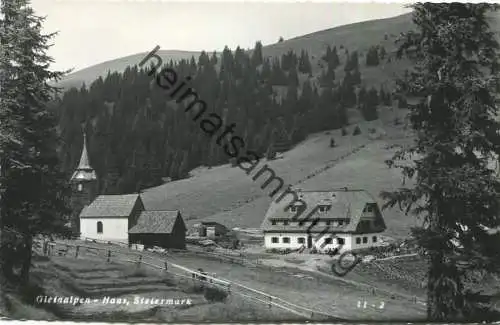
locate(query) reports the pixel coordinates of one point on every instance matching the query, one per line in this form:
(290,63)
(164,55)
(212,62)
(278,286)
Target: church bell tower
(83,186)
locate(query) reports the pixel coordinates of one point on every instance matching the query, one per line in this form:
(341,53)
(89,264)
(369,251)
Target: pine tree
(382,53)
(372,56)
(352,62)
(327,55)
(372,97)
(335,61)
(362,95)
(455,190)
(304,63)
(257,58)
(356,77)
(402,103)
(33,187)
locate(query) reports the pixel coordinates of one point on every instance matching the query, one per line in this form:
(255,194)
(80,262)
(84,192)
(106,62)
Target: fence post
(76,252)
(139,261)
(109,255)
(166,266)
(270,300)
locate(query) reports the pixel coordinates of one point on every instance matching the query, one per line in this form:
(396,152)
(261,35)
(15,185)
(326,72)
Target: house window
(293,208)
(285,222)
(369,208)
(301,240)
(80,187)
(341,241)
(358,240)
(286,240)
(365,240)
(328,241)
(99,227)
(324,208)
(274,240)
(273,222)
(374,239)
(327,222)
(341,223)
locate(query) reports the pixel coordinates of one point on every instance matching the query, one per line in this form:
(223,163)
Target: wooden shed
(159,228)
(212,229)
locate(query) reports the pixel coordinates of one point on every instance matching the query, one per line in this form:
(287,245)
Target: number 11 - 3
(365,304)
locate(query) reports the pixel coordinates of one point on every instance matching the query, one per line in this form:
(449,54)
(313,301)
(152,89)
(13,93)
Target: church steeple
(84,172)
(84,186)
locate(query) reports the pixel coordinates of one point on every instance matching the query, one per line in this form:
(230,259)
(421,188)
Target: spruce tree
(257,58)
(33,187)
(455,190)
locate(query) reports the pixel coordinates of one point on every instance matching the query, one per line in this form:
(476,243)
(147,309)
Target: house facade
(159,228)
(344,219)
(109,217)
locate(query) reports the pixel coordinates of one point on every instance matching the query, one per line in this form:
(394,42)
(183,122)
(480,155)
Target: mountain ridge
(347,36)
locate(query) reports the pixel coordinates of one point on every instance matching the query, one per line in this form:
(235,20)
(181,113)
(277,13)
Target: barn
(159,228)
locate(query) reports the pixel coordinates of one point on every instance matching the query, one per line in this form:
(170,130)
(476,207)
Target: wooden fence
(231,287)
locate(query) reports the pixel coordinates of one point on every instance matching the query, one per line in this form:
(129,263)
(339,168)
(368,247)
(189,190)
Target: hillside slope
(88,75)
(230,196)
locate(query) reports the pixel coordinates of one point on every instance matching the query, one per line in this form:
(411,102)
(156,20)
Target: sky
(94,31)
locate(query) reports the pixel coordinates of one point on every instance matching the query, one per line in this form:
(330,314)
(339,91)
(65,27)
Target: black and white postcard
(250,162)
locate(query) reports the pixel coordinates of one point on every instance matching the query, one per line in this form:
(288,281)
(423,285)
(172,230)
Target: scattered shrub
(356,131)
(198,288)
(332,143)
(372,130)
(344,132)
(402,103)
(214,294)
(397,121)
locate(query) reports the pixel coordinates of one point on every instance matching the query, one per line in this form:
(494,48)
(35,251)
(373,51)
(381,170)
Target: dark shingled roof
(155,222)
(111,206)
(212,223)
(345,204)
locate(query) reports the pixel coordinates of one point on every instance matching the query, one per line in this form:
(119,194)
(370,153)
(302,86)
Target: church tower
(83,187)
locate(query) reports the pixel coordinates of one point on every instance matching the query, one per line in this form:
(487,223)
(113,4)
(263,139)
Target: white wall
(293,240)
(346,247)
(349,241)
(113,229)
(369,243)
